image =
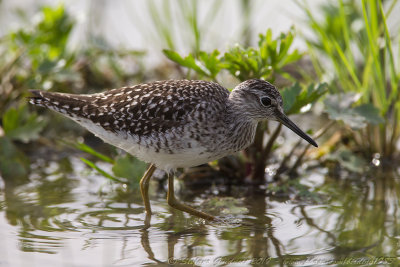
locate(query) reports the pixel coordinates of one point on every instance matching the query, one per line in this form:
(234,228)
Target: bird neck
(241,127)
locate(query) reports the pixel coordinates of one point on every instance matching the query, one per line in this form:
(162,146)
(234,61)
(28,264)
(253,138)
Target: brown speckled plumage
(141,109)
(174,123)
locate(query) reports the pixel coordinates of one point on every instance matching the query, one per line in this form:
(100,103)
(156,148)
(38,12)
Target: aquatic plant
(38,56)
(18,125)
(267,61)
(126,169)
(353,48)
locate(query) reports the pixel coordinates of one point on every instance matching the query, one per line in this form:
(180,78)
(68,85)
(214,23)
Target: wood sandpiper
(175,123)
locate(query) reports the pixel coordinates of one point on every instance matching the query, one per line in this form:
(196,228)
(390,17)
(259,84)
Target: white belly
(164,160)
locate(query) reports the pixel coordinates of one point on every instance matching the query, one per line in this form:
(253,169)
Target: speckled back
(141,109)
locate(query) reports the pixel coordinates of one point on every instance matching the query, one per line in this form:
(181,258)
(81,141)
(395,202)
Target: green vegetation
(343,195)
(190,29)
(23,126)
(123,166)
(356,66)
(268,61)
(264,62)
(354,50)
(37,57)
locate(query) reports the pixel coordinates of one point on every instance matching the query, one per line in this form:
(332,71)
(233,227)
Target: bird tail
(66,104)
(38,98)
(50,100)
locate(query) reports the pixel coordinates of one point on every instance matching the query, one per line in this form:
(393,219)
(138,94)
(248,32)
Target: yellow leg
(177,205)
(144,188)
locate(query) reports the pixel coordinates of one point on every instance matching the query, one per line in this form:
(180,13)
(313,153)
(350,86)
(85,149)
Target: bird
(174,124)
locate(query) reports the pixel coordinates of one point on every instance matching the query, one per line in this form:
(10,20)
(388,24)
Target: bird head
(262,101)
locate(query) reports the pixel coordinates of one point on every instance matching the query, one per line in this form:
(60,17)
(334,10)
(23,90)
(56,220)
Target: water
(72,217)
(66,215)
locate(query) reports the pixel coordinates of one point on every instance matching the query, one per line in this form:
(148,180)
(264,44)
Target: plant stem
(259,168)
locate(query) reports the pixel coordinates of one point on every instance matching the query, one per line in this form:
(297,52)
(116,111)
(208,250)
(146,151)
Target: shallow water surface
(75,218)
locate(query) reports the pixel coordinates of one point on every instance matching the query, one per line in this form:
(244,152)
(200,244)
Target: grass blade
(85,148)
(101,171)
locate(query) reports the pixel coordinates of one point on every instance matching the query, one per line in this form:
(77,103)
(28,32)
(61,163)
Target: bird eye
(266,101)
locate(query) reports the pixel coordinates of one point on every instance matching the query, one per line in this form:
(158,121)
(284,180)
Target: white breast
(164,160)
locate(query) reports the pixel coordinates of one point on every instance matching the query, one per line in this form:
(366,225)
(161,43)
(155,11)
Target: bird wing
(142,109)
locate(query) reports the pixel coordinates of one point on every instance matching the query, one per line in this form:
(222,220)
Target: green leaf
(339,103)
(19,124)
(13,163)
(245,64)
(189,62)
(297,99)
(101,171)
(44,46)
(339,108)
(264,61)
(289,95)
(47,66)
(174,56)
(211,61)
(130,168)
(349,160)
(370,113)
(85,148)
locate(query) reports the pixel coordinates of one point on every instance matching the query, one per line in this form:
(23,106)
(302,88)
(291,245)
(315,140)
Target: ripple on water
(59,216)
